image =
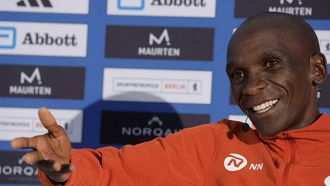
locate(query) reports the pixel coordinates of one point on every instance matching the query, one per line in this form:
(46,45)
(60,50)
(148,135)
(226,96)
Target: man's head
(274,65)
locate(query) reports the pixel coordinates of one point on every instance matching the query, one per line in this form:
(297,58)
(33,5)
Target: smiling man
(274,66)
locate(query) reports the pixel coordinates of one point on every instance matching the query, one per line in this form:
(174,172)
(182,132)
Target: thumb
(49,122)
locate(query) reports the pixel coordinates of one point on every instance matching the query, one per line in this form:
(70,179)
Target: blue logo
(131,4)
(7,37)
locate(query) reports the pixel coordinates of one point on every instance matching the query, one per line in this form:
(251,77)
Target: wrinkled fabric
(210,155)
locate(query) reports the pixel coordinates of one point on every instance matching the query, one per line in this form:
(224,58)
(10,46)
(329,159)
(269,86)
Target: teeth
(263,107)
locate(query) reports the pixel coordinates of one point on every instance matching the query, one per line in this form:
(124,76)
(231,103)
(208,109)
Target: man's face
(269,72)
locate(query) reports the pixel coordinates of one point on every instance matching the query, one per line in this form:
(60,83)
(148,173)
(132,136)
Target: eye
(271,63)
(237,76)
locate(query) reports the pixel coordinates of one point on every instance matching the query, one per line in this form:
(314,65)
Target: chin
(268,131)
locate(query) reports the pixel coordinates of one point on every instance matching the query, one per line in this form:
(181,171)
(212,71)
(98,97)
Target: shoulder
(212,131)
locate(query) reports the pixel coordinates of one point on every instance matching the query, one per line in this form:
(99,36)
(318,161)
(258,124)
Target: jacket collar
(313,131)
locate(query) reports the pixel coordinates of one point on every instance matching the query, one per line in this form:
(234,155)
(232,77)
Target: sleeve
(178,159)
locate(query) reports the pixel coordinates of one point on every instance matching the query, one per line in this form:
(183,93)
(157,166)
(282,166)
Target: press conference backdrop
(122,71)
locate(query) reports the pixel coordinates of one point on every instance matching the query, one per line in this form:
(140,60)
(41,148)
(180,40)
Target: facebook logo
(131,4)
(7,37)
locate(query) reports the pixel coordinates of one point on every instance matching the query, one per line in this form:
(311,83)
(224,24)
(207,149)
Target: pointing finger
(32,157)
(49,122)
(24,142)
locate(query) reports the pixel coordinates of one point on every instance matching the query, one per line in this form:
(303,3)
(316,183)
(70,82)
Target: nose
(254,84)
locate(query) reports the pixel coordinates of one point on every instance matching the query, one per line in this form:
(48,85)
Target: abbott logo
(35,75)
(45,39)
(235,162)
(7,37)
(131,4)
(34,3)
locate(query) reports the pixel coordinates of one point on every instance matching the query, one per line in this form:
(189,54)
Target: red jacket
(211,155)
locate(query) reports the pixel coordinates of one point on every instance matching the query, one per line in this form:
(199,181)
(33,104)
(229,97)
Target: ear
(319,68)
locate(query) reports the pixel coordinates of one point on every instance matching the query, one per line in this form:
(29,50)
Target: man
(274,66)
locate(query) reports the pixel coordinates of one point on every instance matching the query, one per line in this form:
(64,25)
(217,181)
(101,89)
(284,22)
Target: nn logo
(163,37)
(34,76)
(235,162)
(34,3)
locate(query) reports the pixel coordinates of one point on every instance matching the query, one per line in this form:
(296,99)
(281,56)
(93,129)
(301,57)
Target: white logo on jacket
(234,162)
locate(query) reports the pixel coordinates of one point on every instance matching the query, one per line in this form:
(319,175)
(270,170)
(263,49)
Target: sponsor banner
(177,8)
(24,122)
(46,6)
(13,169)
(160,42)
(43,39)
(305,8)
(324,100)
(168,86)
(135,127)
(42,81)
(324,41)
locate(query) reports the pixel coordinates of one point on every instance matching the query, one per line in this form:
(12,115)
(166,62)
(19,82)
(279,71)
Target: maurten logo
(290,1)
(164,38)
(294,7)
(130,4)
(34,76)
(7,37)
(26,87)
(34,3)
(235,162)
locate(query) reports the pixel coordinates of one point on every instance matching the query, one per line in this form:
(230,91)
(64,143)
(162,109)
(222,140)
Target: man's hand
(52,150)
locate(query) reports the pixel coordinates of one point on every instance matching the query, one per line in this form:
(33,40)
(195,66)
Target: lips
(265,106)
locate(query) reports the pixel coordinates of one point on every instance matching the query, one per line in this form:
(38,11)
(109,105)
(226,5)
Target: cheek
(235,92)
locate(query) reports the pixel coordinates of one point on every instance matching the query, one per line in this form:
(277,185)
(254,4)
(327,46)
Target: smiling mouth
(264,107)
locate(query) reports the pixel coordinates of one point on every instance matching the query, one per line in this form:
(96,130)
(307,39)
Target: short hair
(286,22)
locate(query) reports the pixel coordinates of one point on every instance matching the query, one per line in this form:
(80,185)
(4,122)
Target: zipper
(291,161)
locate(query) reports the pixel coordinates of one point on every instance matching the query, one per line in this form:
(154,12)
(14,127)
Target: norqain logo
(153,128)
(18,170)
(159,51)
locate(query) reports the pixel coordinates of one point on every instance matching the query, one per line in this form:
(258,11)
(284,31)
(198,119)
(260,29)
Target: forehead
(282,36)
(251,45)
